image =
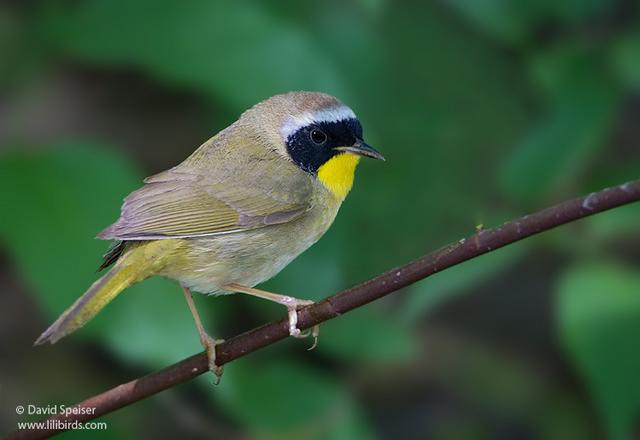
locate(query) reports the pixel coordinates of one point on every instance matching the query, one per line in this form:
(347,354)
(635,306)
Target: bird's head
(315,131)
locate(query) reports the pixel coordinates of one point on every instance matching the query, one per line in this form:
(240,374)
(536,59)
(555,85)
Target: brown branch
(483,241)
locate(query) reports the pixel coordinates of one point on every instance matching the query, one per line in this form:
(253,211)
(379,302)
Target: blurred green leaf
(374,7)
(209,46)
(626,59)
(598,310)
(582,106)
(368,335)
(516,21)
(443,286)
(574,11)
(506,384)
(22,57)
(288,399)
(510,21)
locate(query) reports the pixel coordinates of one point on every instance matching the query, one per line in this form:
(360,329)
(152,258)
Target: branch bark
(483,241)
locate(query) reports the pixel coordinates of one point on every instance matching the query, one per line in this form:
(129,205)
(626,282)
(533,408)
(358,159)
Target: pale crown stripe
(335,114)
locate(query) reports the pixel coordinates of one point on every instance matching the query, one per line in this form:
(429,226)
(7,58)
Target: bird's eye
(318,136)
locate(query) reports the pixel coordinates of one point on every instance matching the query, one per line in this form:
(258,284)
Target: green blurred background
(485,110)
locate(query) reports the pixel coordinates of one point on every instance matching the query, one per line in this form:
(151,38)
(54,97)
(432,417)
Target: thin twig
(483,241)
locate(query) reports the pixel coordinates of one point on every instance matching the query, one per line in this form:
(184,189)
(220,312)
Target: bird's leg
(292,305)
(208,343)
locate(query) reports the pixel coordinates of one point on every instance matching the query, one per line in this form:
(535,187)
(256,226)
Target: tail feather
(135,262)
(88,305)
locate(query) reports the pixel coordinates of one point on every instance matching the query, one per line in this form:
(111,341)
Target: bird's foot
(293,304)
(209,345)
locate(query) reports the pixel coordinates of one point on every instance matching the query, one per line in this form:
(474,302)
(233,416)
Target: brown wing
(173,206)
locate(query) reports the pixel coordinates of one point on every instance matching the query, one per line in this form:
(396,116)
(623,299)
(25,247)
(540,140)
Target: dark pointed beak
(361,149)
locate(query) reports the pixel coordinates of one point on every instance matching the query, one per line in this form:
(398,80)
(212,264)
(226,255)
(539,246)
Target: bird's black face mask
(314,144)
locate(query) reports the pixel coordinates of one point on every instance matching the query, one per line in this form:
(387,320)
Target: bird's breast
(254,256)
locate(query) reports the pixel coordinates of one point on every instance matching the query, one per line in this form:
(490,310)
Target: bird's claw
(294,331)
(209,345)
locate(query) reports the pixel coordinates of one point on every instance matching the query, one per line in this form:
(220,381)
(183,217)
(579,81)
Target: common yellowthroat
(236,212)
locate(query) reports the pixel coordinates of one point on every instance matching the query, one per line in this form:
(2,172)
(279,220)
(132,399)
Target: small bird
(236,212)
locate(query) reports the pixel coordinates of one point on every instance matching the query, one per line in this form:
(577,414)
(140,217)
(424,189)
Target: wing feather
(185,206)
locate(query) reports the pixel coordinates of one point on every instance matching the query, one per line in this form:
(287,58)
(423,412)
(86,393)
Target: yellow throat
(337,173)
